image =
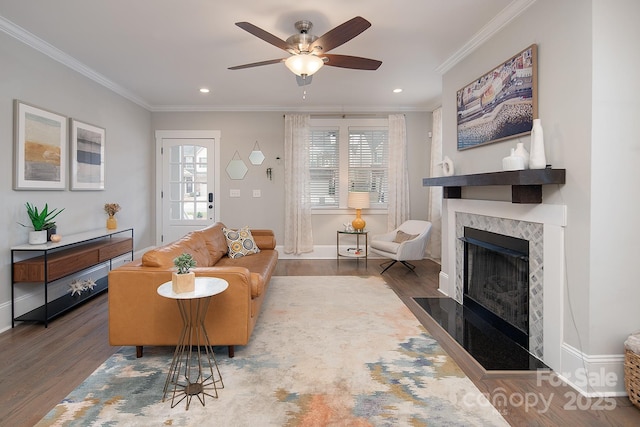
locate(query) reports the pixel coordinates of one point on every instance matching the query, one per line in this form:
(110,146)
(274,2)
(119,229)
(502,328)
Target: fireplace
(542,226)
(496,281)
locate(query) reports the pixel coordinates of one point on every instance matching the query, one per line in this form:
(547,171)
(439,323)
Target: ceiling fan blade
(264,35)
(257,64)
(354,62)
(340,34)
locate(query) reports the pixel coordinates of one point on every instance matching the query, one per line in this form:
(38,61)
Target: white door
(188,184)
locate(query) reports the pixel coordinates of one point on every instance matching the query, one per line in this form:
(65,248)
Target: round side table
(194,370)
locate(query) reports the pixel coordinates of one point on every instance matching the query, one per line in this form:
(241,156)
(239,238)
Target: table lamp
(358,200)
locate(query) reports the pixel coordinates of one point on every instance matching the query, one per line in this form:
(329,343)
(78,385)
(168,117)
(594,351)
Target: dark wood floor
(39,367)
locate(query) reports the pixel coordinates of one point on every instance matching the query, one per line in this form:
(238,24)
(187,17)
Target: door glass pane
(188,182)
(201,210)
(175,211)
(175,192)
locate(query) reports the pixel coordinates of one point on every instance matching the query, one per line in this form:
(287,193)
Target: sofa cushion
(192,243)
(240,242)
(216,242)
(261,266)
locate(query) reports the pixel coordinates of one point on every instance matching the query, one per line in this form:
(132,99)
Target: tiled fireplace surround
(543,226)
(525,230)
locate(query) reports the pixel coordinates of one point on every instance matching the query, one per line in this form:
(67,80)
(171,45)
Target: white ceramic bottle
(537,158)
(522,152)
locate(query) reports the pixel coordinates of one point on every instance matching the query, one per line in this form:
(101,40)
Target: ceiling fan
(308,53)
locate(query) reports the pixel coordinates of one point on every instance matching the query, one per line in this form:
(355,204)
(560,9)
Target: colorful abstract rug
(326,351)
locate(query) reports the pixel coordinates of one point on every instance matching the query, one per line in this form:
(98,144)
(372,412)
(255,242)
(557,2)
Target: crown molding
(506,15)
(280,108)
(56,54)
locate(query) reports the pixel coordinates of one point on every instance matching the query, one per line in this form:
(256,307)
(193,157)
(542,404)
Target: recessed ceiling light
(204,90)
(397,90)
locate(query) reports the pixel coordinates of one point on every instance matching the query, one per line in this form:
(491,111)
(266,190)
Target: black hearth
(489,347)
(493,322)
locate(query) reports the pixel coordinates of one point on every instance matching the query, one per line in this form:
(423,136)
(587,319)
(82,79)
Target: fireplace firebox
(496,281)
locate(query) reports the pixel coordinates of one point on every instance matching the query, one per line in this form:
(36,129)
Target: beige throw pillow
(401,236)
(240,242)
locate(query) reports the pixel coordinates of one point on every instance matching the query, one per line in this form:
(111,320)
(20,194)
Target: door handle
(210,197)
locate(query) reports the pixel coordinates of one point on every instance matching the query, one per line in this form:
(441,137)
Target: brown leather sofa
(138,316)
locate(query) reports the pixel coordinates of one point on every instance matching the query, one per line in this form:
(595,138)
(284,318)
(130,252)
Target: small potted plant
(184,280)
(40,221)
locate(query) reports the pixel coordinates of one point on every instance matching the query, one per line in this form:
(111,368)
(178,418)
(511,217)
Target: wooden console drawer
(117,247)
(68,261)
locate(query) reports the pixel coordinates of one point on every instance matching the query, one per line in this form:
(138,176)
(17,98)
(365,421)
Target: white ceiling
(158,53)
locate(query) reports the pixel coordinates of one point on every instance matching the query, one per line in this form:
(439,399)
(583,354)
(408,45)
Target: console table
(54,261)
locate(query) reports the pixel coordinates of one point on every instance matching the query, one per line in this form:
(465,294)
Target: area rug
(326,351)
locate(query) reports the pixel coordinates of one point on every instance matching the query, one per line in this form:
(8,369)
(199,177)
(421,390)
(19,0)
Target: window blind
(324,167)
(369,163)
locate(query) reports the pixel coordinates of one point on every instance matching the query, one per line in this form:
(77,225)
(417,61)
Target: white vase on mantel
(537,158)
(520,151)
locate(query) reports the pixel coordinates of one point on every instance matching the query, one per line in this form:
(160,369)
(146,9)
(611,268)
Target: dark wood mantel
(526,185)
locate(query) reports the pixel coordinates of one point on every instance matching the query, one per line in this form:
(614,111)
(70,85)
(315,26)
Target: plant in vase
(184,280)
(40,220)
(111,209)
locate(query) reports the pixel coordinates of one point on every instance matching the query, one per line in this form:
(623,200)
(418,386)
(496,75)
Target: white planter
(38,237)
(522,152)
(537,158)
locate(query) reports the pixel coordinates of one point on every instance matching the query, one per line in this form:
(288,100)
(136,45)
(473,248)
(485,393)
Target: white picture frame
(87,156)
(40,148)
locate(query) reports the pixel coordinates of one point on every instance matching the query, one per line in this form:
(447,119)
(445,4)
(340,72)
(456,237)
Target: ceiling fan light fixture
(304,64)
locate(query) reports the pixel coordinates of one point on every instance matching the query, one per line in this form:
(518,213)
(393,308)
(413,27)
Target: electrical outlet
(257,193)
(234,193)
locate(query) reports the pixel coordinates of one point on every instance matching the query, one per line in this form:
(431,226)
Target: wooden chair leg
(231,351)
(138,351)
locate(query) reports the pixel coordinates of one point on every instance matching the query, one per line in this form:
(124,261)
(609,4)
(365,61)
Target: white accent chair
(390,245)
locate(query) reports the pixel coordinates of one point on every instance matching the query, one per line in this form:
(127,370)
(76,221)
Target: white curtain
(434,246)
(398,172)
(298,236)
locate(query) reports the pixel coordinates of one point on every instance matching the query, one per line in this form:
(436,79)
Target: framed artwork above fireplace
(500,104)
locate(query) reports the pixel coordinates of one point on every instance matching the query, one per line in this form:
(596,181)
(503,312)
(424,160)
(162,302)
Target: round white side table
(194,370)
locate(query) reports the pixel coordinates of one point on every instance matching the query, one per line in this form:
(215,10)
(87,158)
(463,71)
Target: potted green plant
(41,221)
(184,280)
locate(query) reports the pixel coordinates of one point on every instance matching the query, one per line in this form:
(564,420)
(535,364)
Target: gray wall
(586,105)
(35,79)
(240,131)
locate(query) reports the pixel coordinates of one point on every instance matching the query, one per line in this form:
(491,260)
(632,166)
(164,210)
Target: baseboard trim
(600,375)
(319,252)
(443,284)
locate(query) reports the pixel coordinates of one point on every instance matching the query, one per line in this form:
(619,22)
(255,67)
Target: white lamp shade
(304,64)
(358,200)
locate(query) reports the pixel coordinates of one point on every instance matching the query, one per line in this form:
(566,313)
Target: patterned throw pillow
(240,242)
(401,236)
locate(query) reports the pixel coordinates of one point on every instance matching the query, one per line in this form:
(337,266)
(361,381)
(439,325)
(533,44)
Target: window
(348,155)
(369,163)
(324,167)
